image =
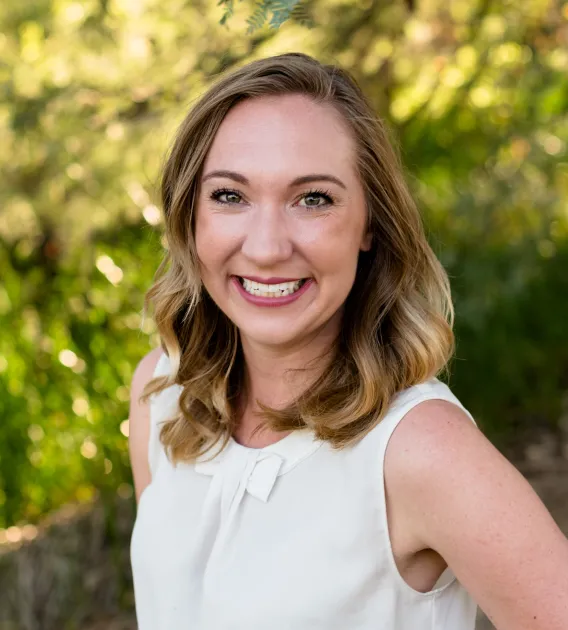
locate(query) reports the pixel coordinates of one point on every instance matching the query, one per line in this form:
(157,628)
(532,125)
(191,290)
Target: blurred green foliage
(91,92)
(275,12)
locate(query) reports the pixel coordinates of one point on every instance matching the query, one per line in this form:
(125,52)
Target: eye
(317,199)
(312,199)
(225,195)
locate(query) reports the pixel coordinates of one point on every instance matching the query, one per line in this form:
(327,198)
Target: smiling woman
(296,460)
(274,228)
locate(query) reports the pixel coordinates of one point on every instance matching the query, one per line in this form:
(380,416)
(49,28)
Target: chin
(270,335)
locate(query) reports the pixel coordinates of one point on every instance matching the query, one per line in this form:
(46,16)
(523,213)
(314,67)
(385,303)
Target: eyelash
(325,194)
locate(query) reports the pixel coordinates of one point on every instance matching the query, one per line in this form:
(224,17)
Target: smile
(271,290)
(272,293)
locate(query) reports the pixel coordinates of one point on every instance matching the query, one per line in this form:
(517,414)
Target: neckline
(292,449)
(262,448)
(293,444)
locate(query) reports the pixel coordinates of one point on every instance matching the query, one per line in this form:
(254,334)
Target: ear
(366,242)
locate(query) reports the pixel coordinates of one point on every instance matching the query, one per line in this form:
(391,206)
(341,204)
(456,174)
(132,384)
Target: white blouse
(292,536)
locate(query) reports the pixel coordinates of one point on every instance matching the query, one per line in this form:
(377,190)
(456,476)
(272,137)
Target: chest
(314,542)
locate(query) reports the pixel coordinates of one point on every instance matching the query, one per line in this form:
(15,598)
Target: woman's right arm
(139,422)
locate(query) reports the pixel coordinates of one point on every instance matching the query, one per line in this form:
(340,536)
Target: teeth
(271,290)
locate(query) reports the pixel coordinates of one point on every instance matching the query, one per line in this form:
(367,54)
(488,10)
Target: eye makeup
(325,195)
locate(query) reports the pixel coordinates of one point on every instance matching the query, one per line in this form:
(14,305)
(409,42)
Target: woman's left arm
(467,502)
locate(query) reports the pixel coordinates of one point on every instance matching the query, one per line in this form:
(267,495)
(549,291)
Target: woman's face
(281,218)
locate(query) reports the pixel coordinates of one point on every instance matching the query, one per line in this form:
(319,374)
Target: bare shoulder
(145,369)
(139,421)
(461,497)
(429,435)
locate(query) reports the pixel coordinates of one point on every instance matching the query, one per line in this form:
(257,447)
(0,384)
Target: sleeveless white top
(292,536)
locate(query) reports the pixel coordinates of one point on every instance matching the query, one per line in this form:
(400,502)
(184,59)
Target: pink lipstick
(260,300)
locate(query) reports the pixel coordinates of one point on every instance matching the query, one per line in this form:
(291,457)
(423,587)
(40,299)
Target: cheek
(200,235)
(210,242)
(334,250)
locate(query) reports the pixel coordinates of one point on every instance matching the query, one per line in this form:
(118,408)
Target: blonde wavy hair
(397,323)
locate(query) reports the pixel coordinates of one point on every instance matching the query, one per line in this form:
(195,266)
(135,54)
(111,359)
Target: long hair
(397,319)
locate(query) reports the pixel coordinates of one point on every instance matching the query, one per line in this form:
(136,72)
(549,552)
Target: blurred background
(91,92)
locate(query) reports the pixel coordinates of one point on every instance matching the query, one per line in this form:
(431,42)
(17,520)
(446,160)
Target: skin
(270,226)
(453,492)
(139,422)
(451,496)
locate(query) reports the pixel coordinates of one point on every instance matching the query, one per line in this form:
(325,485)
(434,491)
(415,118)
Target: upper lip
(273,280)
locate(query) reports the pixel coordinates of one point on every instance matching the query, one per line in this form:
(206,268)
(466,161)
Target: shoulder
(139,420)
(459,495)
(429,446)
(435,442)
(144,371)
(139,413)
(433,427)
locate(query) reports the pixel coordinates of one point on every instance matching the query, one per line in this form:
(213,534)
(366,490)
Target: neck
(276,376)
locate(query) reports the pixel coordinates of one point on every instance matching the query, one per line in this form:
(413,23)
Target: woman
(303,320)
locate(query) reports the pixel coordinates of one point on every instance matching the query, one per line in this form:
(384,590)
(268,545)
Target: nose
(267,241)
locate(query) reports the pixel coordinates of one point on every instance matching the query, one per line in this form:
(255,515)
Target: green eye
(225,195)
(317,199)
(312,199)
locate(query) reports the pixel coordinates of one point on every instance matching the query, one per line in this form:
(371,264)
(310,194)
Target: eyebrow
(304,179)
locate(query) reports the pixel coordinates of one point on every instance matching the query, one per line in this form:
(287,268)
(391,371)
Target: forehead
(283,132)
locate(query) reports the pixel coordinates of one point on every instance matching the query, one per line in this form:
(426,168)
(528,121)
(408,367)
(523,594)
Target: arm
(467,502)
(139,422)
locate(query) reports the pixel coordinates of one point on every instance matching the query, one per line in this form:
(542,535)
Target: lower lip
(260,300)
